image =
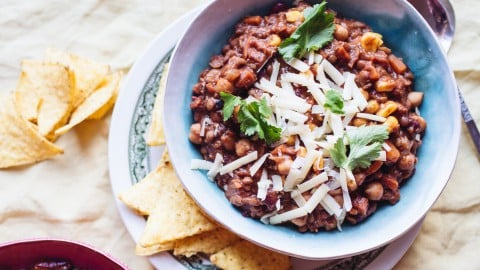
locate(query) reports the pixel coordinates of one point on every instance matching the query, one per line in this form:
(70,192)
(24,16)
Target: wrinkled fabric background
(70,196)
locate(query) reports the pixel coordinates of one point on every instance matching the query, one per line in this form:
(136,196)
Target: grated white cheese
(295,176)
(313,182)
(256,166)
(275,70)
(294,116)
(316,198)
(331,206)
(230,167)
(299,200)
(336,124)
(205,121)
(372,117)
(386,147)
(288,215)
(295,105)
(349,84)
(200,164)
(317,109)
(311,57)
(333,72)
(298,64)
(318,58)
(277,182)
(217,164)
(382,156)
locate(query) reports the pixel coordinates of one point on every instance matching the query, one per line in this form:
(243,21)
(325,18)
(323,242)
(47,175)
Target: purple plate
(25,253)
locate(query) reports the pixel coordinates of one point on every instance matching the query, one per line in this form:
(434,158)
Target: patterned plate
(130,159)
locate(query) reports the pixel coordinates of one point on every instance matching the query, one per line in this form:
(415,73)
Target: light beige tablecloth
(70,196)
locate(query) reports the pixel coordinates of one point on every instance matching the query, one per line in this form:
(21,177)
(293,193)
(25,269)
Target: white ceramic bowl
(406,33)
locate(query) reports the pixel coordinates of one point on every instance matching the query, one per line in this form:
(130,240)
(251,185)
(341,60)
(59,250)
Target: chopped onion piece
(333,72)
(230,167)
(382,156)
(205,121)
(298,65)
(386,147)
(200,164)
(372,117)
(256,166)
(317,196)
(289,215)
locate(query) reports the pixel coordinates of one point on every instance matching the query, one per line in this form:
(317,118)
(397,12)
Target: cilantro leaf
(315,32)
(334,102)
(229,103)
(251,116)
(365,144)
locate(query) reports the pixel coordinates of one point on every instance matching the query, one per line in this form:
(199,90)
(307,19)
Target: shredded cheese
(298,65)
(200,164)
(372,117)
(316,198)
(288,215)
(277,182)
(313,182)
(230,167)
(217,164)
(256,166)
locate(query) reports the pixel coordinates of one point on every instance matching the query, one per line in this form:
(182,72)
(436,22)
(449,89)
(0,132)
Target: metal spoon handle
(472,127)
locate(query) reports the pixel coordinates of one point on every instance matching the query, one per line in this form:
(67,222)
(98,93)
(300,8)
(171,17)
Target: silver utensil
(440,16)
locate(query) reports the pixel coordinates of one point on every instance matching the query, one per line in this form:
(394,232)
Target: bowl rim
(445,172)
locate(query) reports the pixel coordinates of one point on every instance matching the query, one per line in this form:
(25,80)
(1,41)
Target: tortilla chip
(88,74)
(207,242)
(175,216)
(20,142)
(245,255)
(93,103)
(100,113)
(143,196)
(155,135)
(147,251)
(44,94)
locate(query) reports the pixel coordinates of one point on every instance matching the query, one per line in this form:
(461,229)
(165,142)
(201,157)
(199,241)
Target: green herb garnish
(365,144)
(334,102)
(251,116)
(315,32)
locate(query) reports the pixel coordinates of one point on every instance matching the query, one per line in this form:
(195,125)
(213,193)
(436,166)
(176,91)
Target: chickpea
(358,122)
(284,165)
(415,98)
(374,191)
(242,147)
(392,124)
(372,106)
(228,140)
(341,33)
(194,135)
(407,162)
(294,15)
(393,155)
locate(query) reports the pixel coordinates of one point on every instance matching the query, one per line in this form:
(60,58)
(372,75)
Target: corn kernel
(371,41)
(391,123)
(274,40)
(385,84)
(294,15)
(372,106)
(387,109)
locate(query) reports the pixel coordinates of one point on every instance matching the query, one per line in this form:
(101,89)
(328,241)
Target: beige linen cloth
(70,196)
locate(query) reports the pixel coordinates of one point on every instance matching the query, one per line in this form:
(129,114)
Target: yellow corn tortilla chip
(88,74)
(147,251)
(44,94)
(155,135)
(175,216)
(20,142)
(93,103)
(100,113)
(245,255)
(142,197)
(207,242)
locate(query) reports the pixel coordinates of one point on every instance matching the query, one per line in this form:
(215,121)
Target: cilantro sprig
(315,32)
(365,144)
(334,102)
(251,116)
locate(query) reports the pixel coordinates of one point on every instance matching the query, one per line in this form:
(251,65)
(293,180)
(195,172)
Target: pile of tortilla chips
(175,223)
(52,96)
